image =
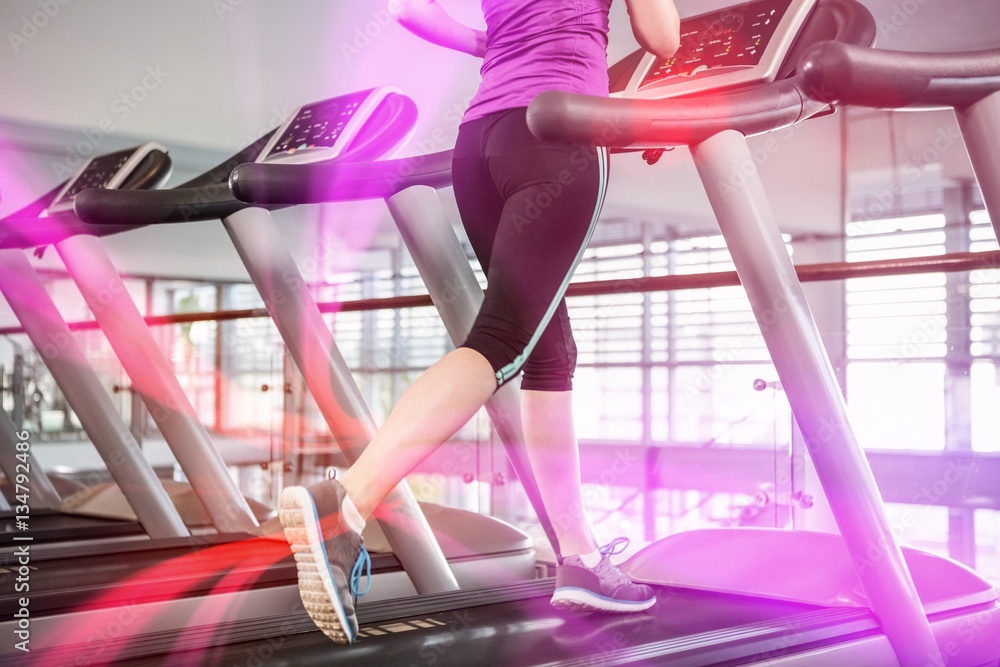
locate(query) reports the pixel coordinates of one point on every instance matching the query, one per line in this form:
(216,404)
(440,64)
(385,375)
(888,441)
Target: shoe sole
(582,600)
(320,598)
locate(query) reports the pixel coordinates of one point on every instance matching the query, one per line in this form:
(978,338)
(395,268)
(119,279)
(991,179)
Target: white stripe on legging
(511,369)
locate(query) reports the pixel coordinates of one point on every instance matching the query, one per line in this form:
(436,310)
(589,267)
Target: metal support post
(152,377)
(979,124)
(734,188)
(53,340)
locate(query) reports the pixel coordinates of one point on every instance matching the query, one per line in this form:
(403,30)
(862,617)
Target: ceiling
(204,78)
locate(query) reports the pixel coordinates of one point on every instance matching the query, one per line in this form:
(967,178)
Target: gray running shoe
(330,557)
(603,588)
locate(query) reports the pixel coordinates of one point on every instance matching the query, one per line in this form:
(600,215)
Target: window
(984,306)
(896,337)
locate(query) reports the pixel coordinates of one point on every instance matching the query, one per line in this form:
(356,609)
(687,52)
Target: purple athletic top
(538,45)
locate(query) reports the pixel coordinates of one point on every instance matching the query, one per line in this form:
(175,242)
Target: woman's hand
(426,19)
(655,25)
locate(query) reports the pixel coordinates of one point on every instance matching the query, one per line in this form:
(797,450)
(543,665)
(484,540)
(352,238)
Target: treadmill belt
(685,628)
(54,527)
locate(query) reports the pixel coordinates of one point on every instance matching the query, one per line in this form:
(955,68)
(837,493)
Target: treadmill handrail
(152,207)
(684,121)
(25,229)
(322,182)
(205,197)
(632,123)
(836,72)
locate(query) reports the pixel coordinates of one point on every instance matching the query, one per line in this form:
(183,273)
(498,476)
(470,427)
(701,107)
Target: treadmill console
(731,47)
(104,171)
(324,130)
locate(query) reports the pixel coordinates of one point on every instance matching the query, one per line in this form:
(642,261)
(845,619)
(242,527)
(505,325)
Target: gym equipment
(46,221)
(91,269)
(513,624)
(715,127)
(364,124)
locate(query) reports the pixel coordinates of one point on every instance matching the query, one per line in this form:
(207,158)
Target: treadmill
(654,110)
(509,624)
(211,490)
(791,597)
(210,588)
(52,517)
(359,126)
(353,129)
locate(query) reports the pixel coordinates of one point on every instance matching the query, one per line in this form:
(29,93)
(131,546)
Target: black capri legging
(529,208)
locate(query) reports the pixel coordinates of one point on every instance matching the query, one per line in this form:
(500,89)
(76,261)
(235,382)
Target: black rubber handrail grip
(844,73)
(206,197)
(153,207)
(289,184)
(632,123)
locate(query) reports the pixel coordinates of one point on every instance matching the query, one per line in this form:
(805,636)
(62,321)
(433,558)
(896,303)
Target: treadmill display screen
(318,126)
(732,38)
(97,174)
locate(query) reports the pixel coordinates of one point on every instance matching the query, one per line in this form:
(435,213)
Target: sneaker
(329,556)
(603,588)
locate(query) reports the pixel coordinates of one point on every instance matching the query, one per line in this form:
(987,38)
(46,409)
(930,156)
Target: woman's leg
(552,197)
(323,523)
(552,194)
(550,437)
(451,391)
(434,407)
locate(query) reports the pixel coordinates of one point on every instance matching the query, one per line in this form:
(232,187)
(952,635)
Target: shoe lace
(362,568)
(614,547)
(613,575)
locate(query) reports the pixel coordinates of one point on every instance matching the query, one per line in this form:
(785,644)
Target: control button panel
(104,171)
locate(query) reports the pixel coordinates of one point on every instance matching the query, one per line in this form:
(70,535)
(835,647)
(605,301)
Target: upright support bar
(17,376)
(979,124)
(444,268)
(42,495)
(88,264)
(310,343)
(84,392)
(766,271)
